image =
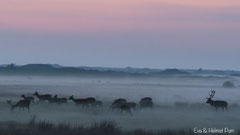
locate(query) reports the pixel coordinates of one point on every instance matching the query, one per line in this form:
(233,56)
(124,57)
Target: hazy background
(120,33)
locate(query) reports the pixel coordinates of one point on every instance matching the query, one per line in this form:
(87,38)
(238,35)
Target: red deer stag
(216,104)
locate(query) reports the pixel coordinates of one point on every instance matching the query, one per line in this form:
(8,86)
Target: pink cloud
(119,15)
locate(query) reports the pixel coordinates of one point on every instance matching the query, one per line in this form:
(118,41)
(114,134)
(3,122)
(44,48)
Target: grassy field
(102,128)
(179,105)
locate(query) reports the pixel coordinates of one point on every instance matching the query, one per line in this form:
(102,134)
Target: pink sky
(119,33)
(118,15)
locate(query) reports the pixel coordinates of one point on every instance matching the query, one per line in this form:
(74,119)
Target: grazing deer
(43,97)
(122,108)
(28,98)
(146,102)
(21,105)
(125,108)
(117,102)
(216,104)
(131,105)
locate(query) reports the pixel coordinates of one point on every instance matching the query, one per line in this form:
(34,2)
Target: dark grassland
(102,128)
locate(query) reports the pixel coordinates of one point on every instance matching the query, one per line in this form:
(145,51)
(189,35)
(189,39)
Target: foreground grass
(102,128)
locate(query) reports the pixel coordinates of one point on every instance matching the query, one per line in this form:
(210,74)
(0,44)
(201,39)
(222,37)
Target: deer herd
(121,105)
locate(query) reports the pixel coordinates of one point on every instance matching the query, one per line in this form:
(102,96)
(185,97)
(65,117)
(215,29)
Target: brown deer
(28,98)
(125,108)
(122,108)
(21,105)
(146,102)
(117,102)
(84,102)
(43,97)
(216,103)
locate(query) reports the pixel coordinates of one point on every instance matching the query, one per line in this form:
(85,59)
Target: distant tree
(228,84)
(12,65)
(200,70)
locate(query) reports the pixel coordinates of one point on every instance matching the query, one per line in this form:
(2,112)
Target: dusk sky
(121,33)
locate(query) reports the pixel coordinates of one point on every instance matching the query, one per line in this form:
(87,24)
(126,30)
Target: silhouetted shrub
(63,126)
(32,121)
(104,128)
(45,125)
(228,84)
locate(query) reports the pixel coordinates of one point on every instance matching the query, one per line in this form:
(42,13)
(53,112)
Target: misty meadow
(116,101)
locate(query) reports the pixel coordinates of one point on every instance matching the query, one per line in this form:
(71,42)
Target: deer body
(43,97)
(217,103)
(83,102)
(28,98)
(146,102)
(59,100)
(125,108)
(21,105)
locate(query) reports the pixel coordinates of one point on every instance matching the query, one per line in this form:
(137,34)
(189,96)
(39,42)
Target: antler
(212,93)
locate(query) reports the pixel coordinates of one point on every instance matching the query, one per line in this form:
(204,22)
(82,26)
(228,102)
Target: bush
(104,128)
(228,84)
(45,125)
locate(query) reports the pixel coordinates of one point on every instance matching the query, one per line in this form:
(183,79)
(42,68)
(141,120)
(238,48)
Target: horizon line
(62,65)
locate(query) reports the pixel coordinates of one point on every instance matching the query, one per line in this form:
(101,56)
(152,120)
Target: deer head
(211,95)
(9,101)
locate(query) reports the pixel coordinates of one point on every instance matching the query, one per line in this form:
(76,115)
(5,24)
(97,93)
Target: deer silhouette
(28,98)
(21,105)
(84,102)
(216,103)
(43,97)
(146,102)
